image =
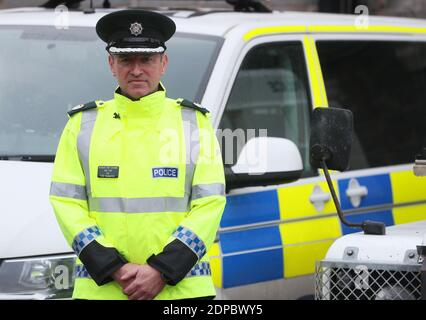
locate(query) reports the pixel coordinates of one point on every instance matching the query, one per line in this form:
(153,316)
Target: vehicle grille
(355,281)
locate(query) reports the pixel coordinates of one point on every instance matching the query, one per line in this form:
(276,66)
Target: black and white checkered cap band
(115,50)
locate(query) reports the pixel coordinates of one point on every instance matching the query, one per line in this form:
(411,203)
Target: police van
(260,75)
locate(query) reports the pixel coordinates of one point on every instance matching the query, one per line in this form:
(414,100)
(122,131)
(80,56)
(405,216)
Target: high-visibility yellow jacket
(141,182)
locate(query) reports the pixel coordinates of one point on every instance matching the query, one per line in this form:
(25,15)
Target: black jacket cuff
(174,262)
(101,262)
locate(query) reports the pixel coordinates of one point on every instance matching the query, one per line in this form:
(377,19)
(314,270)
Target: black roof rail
(238,5)
(73,4)
(52,4)
(249,6)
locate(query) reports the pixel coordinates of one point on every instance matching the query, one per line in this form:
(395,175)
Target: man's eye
(148,59)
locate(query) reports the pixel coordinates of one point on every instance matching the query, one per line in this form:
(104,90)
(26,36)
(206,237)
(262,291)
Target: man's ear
(111,64)
(165,63)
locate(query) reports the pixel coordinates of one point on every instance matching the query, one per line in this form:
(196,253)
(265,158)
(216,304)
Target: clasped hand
(139,282)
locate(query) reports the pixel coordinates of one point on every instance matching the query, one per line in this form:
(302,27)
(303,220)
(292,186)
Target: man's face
(138,74)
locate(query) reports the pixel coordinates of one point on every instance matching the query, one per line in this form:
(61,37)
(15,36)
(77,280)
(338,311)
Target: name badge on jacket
(108,172)
(164,172)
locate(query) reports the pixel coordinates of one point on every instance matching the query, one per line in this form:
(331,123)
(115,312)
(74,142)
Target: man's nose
(137,69)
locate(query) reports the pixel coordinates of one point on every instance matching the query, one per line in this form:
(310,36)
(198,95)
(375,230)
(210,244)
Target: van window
(270,92)
(384,85)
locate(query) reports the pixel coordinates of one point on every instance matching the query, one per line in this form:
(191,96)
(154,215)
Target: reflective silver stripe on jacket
(88,120)
(206,190)
(68,190)
(156,204)
(84,238)
(138,205)
(135,205)
(192,146)
(200,269)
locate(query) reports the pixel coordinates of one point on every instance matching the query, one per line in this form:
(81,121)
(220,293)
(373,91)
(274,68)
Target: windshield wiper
(26,157)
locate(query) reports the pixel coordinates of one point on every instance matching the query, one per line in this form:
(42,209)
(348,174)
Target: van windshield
(44,72)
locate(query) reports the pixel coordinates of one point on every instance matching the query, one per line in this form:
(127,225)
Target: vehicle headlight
(37,278)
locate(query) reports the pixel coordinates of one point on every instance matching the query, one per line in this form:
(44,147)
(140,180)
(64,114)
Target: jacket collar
(148,106)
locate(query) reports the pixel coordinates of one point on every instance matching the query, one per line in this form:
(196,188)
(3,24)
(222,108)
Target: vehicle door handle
(356,192)
(318,198)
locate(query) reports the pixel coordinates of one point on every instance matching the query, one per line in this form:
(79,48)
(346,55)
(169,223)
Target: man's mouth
(137,81)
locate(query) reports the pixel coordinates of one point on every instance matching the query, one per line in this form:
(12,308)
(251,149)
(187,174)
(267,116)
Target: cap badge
(136,28)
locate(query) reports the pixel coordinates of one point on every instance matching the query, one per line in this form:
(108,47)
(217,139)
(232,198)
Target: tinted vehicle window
(384,84)
(270,92)
(45,72)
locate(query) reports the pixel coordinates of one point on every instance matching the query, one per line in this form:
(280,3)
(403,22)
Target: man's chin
(137,94)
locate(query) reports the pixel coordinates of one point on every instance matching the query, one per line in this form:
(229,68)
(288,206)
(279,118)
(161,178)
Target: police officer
(138,182)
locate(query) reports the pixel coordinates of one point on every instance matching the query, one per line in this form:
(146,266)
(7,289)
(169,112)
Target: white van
(252,71)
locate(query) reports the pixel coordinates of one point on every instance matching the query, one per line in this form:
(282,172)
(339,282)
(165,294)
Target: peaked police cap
(135,31)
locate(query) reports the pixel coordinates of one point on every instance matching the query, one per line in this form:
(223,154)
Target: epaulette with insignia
(193,105)
(83,107)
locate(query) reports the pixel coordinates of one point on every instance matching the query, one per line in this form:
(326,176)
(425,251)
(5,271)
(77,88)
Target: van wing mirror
(331,138)
(265,161)
(420,164)
(330,148)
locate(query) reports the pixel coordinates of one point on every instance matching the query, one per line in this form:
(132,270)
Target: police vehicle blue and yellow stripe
(277,234)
